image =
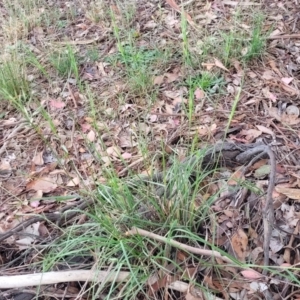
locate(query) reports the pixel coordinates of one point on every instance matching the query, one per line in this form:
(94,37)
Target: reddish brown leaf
(57,104)
(45,184)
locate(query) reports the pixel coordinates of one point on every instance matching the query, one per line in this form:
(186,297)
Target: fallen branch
(284,36)
(38,279)
(205,252)
(268,212)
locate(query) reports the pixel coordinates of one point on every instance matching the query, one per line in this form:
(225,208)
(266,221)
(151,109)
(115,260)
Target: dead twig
(39,279)
(205,252)
(284,36)
(268,212)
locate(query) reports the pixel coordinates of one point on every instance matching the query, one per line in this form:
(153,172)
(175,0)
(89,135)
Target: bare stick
(38,279)
(284,36)
(7,282)
(268,211)
(205,252)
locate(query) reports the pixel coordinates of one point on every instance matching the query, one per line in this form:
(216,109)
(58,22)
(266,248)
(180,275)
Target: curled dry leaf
(265,130)
(158,80)
(190,296)
(35,199)
(5,168)
(251,134)
(32,231)
(199,94)
(270,96)
(175,6)
(9,122)
(287,80)
(45,184)
(38,158)
(91,136)
(292,110)
(126,155)
(237,177)
(220,65)
(85,127)
(74,181)
(290,119)
(204,130)
(258,286)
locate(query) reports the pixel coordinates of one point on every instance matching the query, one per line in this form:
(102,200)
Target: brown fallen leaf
(190,296)
(74,181)
(91,136)
(171,77)
(38,158)
(174,5)
(45,184)
(220,65)
(85,127)
(158,80)
(265,130)
(237,177)
(250,134)
(57,104)
(289,192)
(199,94)
(292,91)
(36,198)
(239,242)
(5,168)
(287,80)
(251,274)
(266,92)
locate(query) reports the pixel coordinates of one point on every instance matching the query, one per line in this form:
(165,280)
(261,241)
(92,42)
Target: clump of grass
(207,82)
(139,62)
(65,62)
(92,54)
(244,41)
(168,208)
(204,81)
(139,66)
(23,16)
(32,60)
(242,45)
(14,85)
(257,43)
(185,42)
